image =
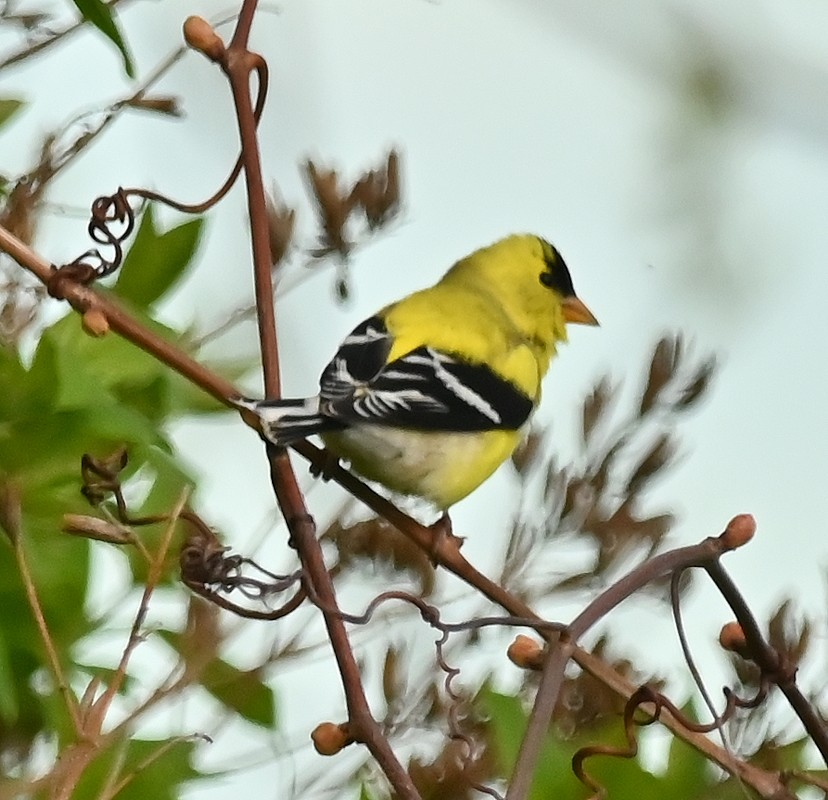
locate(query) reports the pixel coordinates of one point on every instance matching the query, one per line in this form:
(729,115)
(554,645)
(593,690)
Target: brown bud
(732,638)
(159,104)
(95,528)
(95,323)
(739,531)
(329,738)
(199,34)
(525,652)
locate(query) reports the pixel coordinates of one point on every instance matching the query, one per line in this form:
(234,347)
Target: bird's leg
(442,536)
(324,470)
(294,522)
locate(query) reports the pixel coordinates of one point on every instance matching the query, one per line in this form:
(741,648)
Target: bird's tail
(284,422)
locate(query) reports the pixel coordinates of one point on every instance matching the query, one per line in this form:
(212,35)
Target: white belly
(440,466)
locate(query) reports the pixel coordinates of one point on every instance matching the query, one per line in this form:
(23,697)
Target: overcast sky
(675,152)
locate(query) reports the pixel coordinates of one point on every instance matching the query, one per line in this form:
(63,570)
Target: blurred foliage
(100,14)
(151,268)
(592,503)
(148,769)
(596,498)
(685,774)
(9,106)
(378,543)
(75,393)
(80,394)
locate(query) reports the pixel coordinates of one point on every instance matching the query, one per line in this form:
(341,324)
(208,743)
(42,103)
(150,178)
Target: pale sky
(575,121)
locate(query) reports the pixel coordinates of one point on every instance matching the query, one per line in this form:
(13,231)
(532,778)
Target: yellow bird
(430,395)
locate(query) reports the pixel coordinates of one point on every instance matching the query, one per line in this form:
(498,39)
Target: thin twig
(239,63)
(43,629)
(84,298)
(448,557)
(77,756)
(553,670)
(156,569)
(692,666)
(159,752)
(769,660)
(38,47)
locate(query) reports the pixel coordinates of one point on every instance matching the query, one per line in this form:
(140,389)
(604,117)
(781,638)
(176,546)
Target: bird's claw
(442,537)
(325,468)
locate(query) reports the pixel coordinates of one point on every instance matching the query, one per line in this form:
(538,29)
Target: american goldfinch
(429,395)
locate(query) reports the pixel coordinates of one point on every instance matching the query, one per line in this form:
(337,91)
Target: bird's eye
(556,276)
(547,279)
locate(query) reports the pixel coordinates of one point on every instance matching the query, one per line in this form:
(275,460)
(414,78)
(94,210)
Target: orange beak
(577,313)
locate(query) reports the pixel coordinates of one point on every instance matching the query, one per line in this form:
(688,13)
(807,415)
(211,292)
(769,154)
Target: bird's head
(532,282)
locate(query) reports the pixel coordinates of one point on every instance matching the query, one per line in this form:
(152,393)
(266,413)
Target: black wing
(425,390)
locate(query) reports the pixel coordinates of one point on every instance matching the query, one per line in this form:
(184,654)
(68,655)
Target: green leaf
(554,776)
(167,481)
(22,706)
(87,371)
(242,691)
(99,14)
(9,106)
(687,769)
(151,769)
(507,725)
(187,398)
(9,708)
(156,260)
(90,370)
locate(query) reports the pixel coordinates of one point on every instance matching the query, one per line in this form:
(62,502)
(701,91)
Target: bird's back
(465,321)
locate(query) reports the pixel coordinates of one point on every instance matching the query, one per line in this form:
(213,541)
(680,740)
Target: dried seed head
(595,405)
(661,452)
(663,367)
(377,192)
(281,221)
(199,34)
(19,213)
(698,385)
(329,738)
(393,681)
(380,543)
(392,179)
(527,452)
(333,206)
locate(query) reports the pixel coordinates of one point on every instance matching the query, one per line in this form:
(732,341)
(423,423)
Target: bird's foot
(325,468)
(443,538)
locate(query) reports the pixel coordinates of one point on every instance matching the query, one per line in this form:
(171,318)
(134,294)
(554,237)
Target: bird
(433,392)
